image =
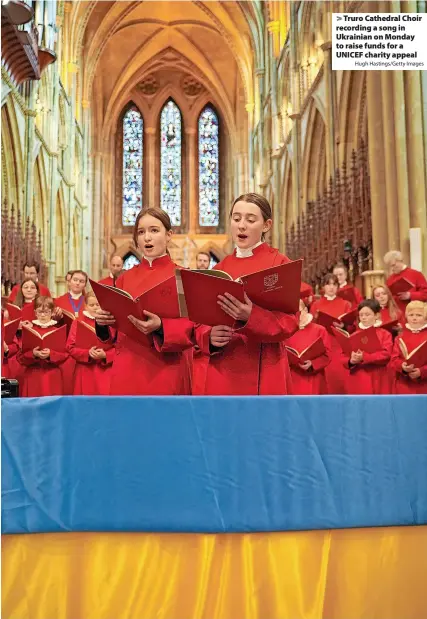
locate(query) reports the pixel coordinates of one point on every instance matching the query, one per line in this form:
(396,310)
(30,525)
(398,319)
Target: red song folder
(316,349)
(365,340)
(54,339)
(400,285)
(348,294)
(417,356)
(9,330)
(86,337)
(161,299)
(390,325)
(327,320)
(14,311)
(275,289)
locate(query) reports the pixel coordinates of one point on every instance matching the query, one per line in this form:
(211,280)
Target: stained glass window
(130,261)
(170,161)
(208,168)
(133,131)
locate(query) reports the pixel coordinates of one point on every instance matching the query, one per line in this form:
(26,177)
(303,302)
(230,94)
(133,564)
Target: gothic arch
(352,112)
(13,172)
(314,157)
(60,240)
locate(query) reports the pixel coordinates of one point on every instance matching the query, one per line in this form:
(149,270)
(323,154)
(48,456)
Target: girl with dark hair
(367,373)
(250,359)
(161,368)
(28,291)
(331,304)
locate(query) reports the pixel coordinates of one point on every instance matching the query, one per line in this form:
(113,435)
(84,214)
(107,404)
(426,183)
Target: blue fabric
(213,464)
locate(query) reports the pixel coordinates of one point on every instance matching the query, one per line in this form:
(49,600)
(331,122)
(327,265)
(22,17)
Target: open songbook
(55,339)
(316,349)
(13,310)
(67,318)
(348,294)
(417,356)
(9,330)
(390,325)
(86,337)
(400,285)
(365,340)
(276,289)
(327,320)
(161,299)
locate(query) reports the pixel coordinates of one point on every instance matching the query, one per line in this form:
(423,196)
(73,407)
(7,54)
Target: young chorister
(411,377)
(42,365)
(251,358)
(389,311)
(93,359)
(333,305)
(308,377)
(345,290)
(27,292)
(161,366)
(74,301)
(367,372)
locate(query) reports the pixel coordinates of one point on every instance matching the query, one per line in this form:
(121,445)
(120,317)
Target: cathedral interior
(111,106)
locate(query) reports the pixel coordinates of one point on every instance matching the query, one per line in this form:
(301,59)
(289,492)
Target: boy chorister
(367,373)
(408,378)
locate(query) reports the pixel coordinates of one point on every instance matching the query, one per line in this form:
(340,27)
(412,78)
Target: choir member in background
(163,367)
(335,306)
(116,267)
(367,373)
(73,301)
(341,271)
(389,310)
(93,365)
(31,270)
(203,260)
(28,291)
(251,358)
(42,367)
(306,294)
(397,268)
(68,279)
(309,377)
(408,378)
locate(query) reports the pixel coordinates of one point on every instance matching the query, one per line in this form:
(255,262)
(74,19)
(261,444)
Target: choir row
(250,358)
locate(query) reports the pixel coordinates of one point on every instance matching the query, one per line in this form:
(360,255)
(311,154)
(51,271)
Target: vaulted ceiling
(190,46)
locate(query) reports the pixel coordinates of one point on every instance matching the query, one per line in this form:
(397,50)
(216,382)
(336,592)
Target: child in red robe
(408,378)
(306,294)
(162,367)
(389,310)
(74,300)
(250,359)
(27,292)
(340,270)
(367,373)
(42,375)
(335,306)
(93,365)
(308,378)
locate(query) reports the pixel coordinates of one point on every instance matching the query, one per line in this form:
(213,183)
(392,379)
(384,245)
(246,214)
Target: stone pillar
(330,110)
(192,176)
(29,147)
(250,107)
(149,180)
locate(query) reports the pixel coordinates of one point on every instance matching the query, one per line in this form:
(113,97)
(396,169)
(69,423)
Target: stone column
(192,176)
(330,110)
(149,193)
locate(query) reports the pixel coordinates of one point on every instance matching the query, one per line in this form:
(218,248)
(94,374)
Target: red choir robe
(163,368)
(28,311)
(66,302)
(312,381)
(91,376)
(385,316)
(335,372)
(358,295)
(10,366)
(255,361)
(306,293)
(402,383)
(418,293)
(44,291)
(41,377)
(107,281)
(371,377)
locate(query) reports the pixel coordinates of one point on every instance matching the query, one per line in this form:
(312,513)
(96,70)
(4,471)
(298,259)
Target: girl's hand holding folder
(104,318)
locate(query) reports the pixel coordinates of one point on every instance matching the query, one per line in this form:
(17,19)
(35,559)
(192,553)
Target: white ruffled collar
(328,298)
(246,253)
(308,319)
(44,325)
(377,323)
(408,326)
(86,313)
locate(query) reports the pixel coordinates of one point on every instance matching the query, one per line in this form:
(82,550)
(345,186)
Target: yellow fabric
(346,574)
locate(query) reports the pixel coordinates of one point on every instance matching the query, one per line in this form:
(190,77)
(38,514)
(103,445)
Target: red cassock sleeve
(28,359)
(56,358)
(178,335)
(381,357)
(111,352)
(420,294)
(268,327)
(202,334)
(396,358)
(324,360)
